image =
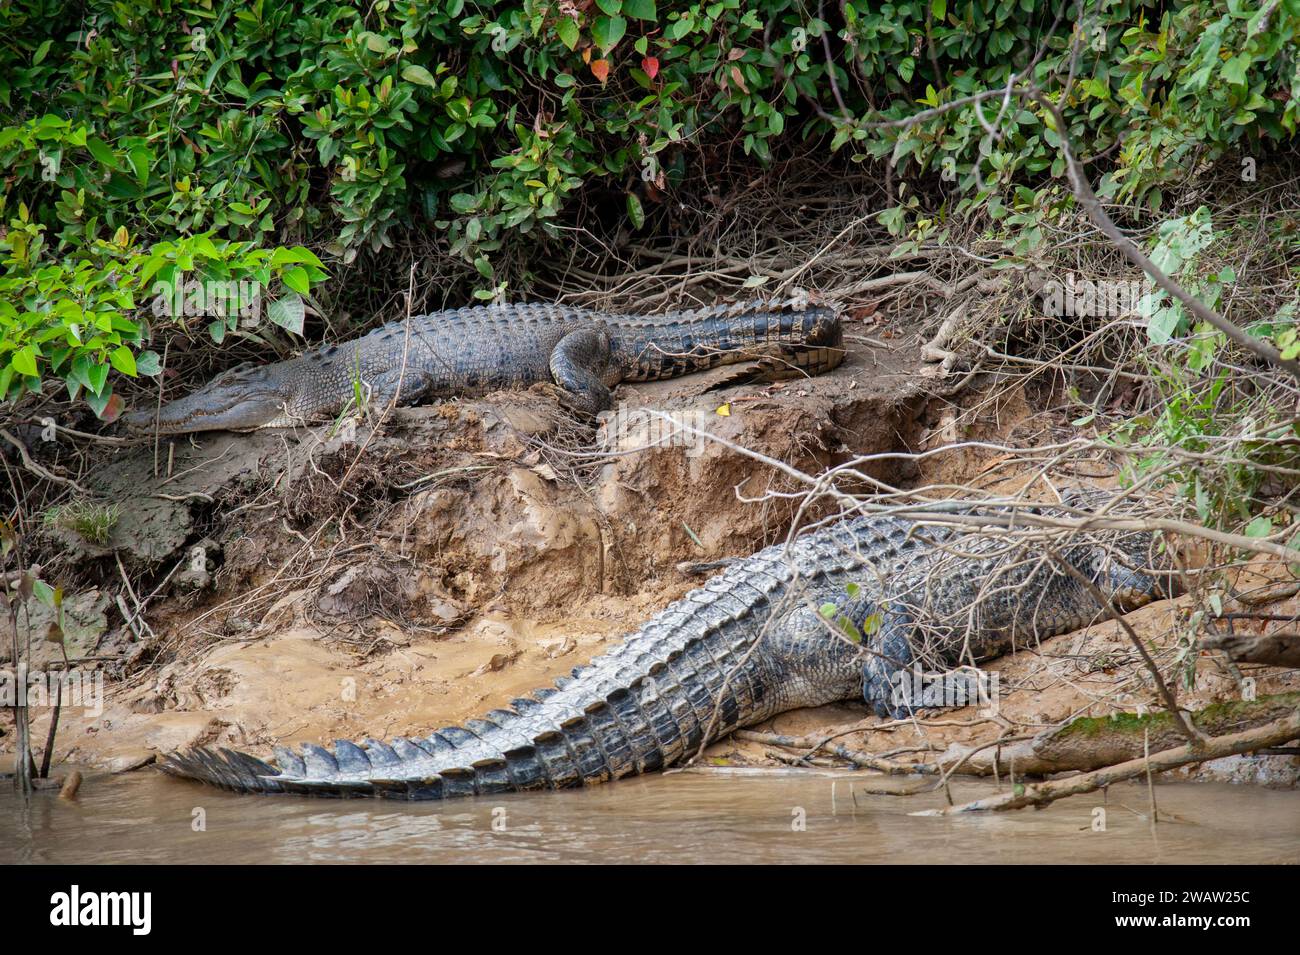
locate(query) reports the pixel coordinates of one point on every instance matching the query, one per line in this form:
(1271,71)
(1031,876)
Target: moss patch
(1213,716)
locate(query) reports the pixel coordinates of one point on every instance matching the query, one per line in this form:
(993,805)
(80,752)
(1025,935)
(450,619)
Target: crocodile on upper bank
(469,351)
(753,642)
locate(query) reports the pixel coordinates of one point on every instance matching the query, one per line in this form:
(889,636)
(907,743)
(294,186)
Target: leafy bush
(1214,434)
(220,140)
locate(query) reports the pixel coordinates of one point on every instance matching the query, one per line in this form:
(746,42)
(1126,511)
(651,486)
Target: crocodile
(580,353)
(839,613)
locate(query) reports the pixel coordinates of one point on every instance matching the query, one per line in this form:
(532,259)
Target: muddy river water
(754,816)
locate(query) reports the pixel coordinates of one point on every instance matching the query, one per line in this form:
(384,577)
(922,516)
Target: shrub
(219,141)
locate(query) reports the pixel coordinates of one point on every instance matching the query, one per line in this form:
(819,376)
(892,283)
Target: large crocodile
(756,640)
(471,351)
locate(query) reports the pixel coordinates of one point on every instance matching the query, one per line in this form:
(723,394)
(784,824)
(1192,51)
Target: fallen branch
(1280,649)
(936,349)
(1094,742)
(1270,594)
(1273,734)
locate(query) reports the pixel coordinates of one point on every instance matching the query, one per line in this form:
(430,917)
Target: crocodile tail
(686,677)
(618,736)
(635,729)
(223,768)
(809,339)
(626,732)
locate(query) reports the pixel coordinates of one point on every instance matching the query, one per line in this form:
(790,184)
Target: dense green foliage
(152,145)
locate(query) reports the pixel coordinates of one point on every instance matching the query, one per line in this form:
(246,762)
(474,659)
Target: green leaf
(635,212)
(283,256)
(374,42)
(1234,71)
(418,74)
(297,279)
(107,406)
(123,360)
(612,7)
(1163,325)
(148,363)
(287,311)
(640,10)
(41,50)
(1259,527)
(40,589)
(607,31)
(139,157)
(567,31)
(99,149)
(23,361)
(96,378)
(939,9)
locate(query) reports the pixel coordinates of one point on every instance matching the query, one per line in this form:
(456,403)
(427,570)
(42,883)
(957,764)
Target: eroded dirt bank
(386,578)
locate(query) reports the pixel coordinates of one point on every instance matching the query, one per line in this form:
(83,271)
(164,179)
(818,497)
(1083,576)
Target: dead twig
(38,470)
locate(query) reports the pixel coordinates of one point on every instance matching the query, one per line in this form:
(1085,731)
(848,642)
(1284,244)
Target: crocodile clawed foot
(882,696)
(577,403)
(885,676)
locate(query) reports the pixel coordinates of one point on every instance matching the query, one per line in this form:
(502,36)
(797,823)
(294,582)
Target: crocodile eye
(1099,565)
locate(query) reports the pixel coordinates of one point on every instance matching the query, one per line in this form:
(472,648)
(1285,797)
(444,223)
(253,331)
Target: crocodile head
(241,399)
(1132,573)
(1132,568)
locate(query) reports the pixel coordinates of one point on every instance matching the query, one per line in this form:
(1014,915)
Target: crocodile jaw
(224,405)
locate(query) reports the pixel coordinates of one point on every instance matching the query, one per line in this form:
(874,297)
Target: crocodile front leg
(579,364)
